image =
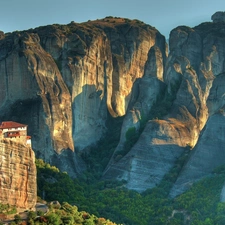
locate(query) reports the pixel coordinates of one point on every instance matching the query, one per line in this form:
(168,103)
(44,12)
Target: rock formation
(65,80)
(33,91)
(195,69)
(17,175)
(218,17)
(208,154)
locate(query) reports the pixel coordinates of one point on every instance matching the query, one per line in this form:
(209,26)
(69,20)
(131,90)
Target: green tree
(54,219)
(68,220)
(32,215)
(17,219)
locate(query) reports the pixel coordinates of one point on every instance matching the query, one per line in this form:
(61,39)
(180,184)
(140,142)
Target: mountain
(64,80)
(67,81)
(195,70)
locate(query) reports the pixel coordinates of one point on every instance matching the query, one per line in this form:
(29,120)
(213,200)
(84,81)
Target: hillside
(109,199)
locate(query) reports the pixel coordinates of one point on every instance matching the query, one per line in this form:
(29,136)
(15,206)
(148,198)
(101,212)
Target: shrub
(32,215)
(17,219)
(54,219)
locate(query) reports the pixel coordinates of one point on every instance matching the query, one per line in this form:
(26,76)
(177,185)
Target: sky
(164,15)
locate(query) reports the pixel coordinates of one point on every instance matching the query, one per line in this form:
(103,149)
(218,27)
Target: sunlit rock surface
(63,80)
(205,157)
(18,185)
(195,69)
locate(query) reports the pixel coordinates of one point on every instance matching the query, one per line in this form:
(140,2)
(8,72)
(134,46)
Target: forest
(109,199)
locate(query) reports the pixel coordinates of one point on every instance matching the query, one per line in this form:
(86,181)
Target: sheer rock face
(63,80)
(144,93)
(156,151)
(206,156)
(33,91)
(163,141)
(17,175)
(207,153)
(99,62)
(194,73)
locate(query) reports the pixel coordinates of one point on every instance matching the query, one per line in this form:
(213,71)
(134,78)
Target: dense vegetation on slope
(58,214)
(200,205)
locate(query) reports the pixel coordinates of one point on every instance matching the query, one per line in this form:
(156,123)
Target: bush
(54,219)
(32,215)
(17,219)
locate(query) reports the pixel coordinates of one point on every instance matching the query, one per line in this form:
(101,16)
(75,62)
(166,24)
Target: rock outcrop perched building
(15,132)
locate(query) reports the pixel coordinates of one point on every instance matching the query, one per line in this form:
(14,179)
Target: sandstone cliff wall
(208,152)
(99,62)
(18,185)
(63,80)
(194,75)
(33,91)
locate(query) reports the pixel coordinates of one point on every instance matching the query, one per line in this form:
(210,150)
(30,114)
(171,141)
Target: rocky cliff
(208,153)
(194,75)
(65,81)
(17,175)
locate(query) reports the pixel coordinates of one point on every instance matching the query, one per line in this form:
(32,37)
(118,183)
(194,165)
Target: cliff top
(215,28)
(111,21)
(90,27)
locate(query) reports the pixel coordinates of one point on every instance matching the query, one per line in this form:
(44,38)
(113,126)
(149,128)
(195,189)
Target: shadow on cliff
(25,112)
(31,113)
(89,113)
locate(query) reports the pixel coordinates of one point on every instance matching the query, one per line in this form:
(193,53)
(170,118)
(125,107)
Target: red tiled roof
(11,124)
